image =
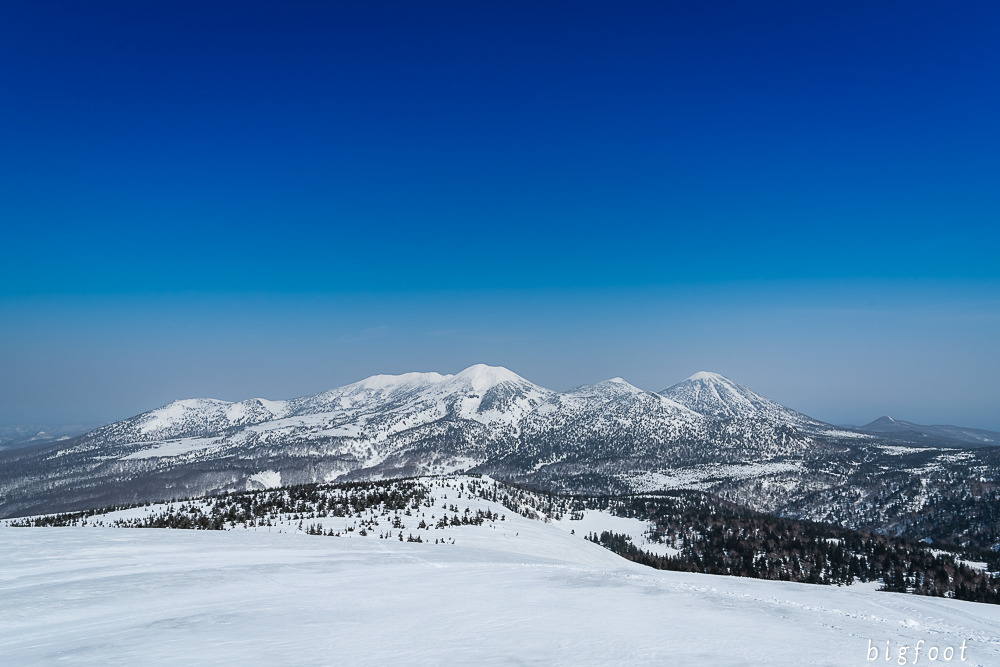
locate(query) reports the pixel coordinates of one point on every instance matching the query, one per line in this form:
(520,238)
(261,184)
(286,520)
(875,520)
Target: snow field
(517,591)
(531,595)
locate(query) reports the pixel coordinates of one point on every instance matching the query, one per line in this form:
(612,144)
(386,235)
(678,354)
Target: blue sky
(261,199)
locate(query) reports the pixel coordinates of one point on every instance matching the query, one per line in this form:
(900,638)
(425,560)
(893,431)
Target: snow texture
(526,593)
(269,479)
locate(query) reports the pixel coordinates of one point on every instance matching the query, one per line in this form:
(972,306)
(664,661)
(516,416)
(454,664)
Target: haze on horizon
(251,200)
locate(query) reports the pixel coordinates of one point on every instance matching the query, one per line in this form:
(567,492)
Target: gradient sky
(273,199)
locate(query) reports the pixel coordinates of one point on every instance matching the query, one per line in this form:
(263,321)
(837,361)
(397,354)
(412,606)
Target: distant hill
(13,436)
(937,435)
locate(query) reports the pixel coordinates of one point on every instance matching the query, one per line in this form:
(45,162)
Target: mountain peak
(491,394)
(887,424)
(481,376)
(714,395)
(707,376)
(180,414)
(620,385)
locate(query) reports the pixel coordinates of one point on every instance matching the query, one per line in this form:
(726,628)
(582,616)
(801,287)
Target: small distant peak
(706,376)
(887,424)
(620,384)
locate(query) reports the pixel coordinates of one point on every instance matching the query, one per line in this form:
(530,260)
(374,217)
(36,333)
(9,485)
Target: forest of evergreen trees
(718,538)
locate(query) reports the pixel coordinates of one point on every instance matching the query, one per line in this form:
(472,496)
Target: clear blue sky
(273,199)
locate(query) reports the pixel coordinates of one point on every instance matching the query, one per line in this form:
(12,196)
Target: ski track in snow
(517,591)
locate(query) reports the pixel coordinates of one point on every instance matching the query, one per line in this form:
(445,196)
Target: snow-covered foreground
(515,592)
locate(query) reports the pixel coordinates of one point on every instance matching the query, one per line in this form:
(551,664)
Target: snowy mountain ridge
(484,417)
(611,437)
(486,394)
(481,393)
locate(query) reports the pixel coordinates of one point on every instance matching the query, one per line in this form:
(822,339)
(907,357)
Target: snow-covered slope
(204,415)
(511,591)
(611,420)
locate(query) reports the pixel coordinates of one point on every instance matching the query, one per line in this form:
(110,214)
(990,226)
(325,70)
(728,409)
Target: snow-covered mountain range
(706,432)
